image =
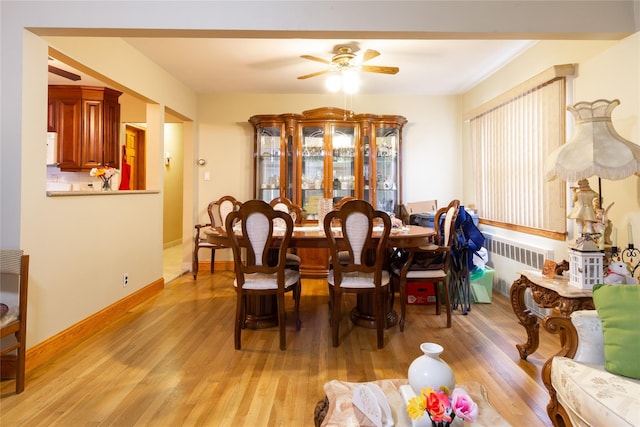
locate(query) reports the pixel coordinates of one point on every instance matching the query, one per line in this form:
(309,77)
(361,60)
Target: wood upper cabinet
(87,120)
(328,153)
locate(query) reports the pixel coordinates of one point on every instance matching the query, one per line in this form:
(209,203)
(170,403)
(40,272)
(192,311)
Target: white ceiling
(224,65)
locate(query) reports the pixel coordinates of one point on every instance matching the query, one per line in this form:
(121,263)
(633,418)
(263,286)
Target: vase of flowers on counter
(105,174)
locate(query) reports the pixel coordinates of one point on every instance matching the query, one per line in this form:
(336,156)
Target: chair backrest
(362,232)
(285,205)
(340,203)
(446,229)
(219,209)
(14,269)
(256,227)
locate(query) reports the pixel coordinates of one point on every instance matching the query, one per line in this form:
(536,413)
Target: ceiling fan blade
(64,73)
(369,54)
(318,73)
(315,58)
(378,69)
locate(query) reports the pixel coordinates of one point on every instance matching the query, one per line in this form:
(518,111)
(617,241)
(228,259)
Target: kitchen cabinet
(87,121)
(328,153)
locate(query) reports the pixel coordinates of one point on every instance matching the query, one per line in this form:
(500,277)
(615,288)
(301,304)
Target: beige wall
(81,246)
(431,142)
(431,137)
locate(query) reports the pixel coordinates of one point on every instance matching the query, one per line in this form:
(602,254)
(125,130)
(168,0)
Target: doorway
(173,201)
(135,148)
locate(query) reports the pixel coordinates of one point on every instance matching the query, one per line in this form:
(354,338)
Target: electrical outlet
(125,280)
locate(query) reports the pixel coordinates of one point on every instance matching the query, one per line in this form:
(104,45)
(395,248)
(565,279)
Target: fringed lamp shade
(595,147)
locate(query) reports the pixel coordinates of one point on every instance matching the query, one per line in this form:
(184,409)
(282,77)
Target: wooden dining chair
(256,227)
(285,205)
(363,272)
(14,269)
(431,263)
(218,211)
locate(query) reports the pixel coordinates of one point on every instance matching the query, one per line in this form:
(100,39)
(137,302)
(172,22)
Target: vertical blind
(511,140)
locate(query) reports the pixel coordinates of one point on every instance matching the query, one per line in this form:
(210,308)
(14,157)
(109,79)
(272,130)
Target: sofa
(582,391)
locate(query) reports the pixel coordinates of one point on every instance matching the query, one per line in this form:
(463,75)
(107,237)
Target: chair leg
(194,263)
(20,363)
(335,316)
(239,320)
(380,317)
(436,290)
(282,321)
(403,302)
(447,301)
(213,259)
(296,297)
(330,303)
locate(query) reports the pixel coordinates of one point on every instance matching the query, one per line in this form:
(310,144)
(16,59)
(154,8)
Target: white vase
(429,370)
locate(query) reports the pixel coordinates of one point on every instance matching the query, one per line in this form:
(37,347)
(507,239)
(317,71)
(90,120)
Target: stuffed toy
(619,273)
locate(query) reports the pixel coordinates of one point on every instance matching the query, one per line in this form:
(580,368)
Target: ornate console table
(553,293)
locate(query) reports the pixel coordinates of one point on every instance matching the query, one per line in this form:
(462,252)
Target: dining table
(261,312)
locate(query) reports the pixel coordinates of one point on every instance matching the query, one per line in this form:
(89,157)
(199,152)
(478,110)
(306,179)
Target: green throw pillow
(619,309)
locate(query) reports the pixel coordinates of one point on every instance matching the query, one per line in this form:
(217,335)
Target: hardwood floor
(170,362)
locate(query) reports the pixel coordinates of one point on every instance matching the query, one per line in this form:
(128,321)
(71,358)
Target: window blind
(511,138)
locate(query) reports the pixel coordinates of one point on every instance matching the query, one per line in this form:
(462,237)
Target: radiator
(510,256)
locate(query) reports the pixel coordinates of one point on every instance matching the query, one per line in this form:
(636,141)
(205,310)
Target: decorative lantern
(586,268)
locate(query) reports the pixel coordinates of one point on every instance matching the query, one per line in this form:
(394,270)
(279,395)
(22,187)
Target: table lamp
(595,148)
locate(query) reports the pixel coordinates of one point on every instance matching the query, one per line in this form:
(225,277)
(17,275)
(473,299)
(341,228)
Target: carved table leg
(527,319)
(321,411)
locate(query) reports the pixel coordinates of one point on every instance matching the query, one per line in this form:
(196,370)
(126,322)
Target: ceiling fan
(344,60)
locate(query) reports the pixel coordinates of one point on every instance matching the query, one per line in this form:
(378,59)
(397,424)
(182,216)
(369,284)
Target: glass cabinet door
(366,168)
(343,166)
(312,170)
(387,168)
(268,154)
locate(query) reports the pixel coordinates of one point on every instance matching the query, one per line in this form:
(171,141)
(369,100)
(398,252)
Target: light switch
(207,176)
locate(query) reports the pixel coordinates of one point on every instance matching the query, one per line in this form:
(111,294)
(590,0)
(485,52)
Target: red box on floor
(421,293)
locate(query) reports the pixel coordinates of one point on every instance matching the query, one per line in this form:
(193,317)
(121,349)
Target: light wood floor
(171,362)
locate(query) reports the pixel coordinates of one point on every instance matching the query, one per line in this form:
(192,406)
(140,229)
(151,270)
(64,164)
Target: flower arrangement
(105,175)
(443,407)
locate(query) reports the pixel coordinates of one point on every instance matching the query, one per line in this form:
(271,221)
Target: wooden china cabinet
(328,153)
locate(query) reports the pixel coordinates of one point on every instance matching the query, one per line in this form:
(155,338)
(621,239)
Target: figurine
(583,211)
(603,224)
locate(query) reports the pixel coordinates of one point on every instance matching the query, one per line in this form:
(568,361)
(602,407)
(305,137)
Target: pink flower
(463,406)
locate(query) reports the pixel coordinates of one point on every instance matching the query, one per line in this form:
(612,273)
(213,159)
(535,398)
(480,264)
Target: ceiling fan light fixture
(333,83)
(350,81)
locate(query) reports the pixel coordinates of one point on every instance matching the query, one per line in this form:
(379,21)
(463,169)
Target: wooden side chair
(14,269)
(363,270)
(256,227)
(431,263)
(218,211)
(285,205)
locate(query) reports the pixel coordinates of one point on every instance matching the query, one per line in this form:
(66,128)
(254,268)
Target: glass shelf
(269,162)
(344,147)
(387,168)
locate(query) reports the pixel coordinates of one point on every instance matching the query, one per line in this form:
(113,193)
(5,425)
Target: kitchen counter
(99,193)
